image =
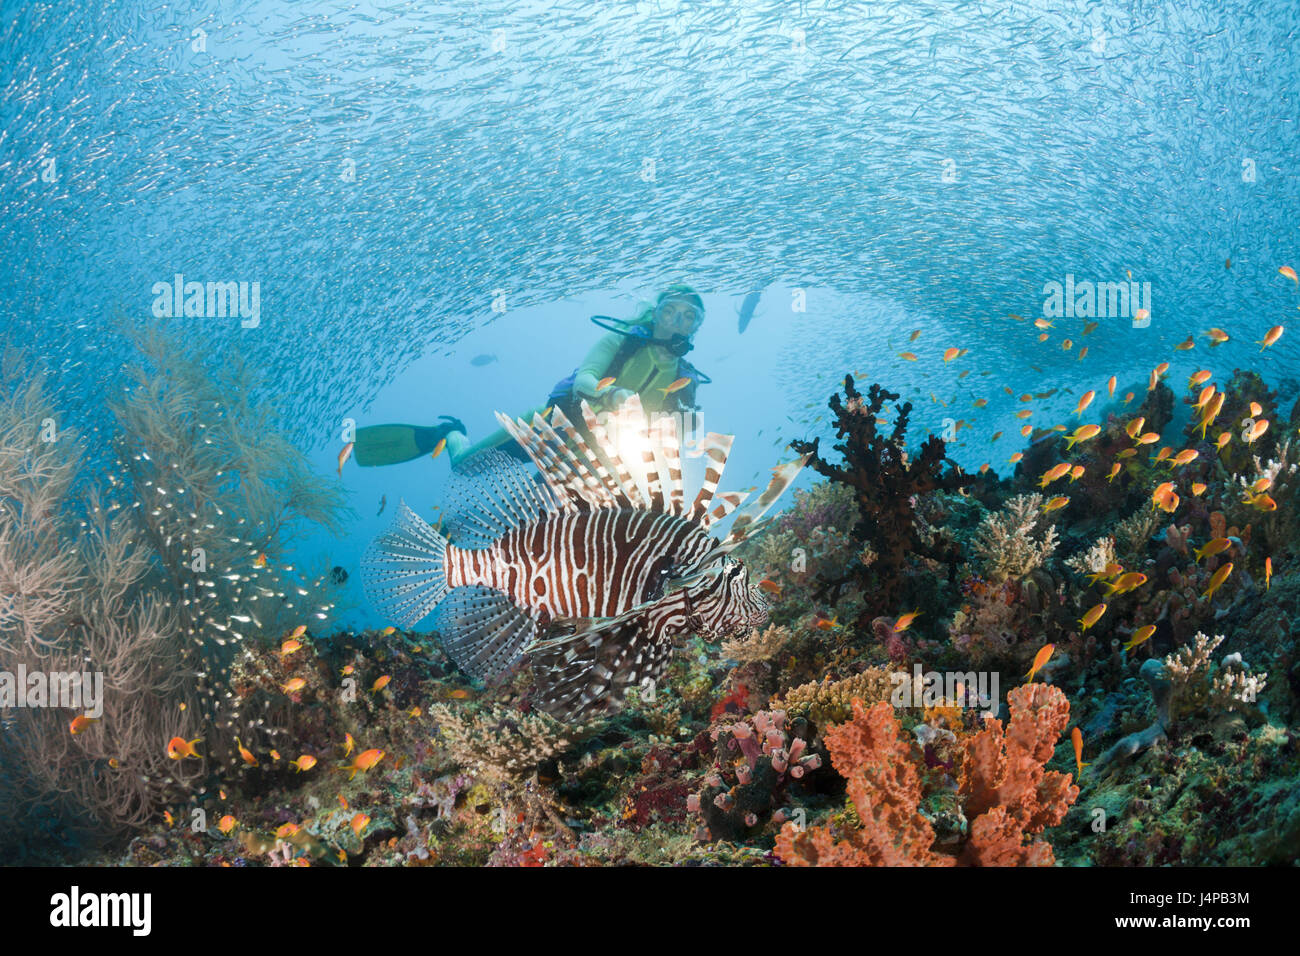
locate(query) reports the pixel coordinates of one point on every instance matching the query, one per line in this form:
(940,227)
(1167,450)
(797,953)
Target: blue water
(385,172)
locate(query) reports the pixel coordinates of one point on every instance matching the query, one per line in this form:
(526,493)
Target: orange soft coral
(885,787)
(1007,793)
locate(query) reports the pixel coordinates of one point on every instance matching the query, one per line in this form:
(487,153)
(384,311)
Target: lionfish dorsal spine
(716,448)
(746,523)
(631,492)
(670,441)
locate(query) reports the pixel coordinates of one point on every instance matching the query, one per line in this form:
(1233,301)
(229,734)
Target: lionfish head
(728,604)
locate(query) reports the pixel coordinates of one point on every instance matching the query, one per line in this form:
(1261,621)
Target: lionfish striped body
(576,568)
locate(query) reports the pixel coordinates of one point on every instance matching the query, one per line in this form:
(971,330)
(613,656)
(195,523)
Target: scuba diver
(645,356)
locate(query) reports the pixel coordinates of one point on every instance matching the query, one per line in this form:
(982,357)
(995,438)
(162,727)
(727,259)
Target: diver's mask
(681,318)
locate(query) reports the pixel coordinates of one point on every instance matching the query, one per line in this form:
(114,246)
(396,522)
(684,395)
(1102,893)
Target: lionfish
(575,567)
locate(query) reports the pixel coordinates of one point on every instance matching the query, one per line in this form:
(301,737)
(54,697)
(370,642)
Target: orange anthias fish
(1082,433)
(676,386)
(1126,583)
(348,744)
(1076,473)
(1217,579)
(1110,386)
(1110,571)
(298,632)
(245,754)
(1134,428)
(828,624)
(1076,738)
(290,646)
(1272,336)
(950,354)
(1114,470)
(1198,488)
(1140,636)
(359,823)
(439,448)
(770,586)
(904,622)
(605,383)
(1053,473)
(1268,572)
(1040,659)
(380,683)
(364,761)
(1084,402)
(226,824)
(1217,337)
(1184,346)
(293,685)
(344,455)
(179,748)
(1060,501)
(1092,617)
(1199,378)
(80,724)
(1256,431)
(1184,457)
(1262,503)
(260,560)
(1289,273)
(303,763)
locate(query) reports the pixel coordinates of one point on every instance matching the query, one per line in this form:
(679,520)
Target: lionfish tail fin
(402,571)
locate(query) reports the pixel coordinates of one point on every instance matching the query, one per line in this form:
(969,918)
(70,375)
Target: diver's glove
(584,385)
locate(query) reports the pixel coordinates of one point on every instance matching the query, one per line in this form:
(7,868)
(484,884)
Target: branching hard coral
(886,483)
(829,701)
(1133,534)
(1095,559)
(499,745)
(1012,543)
(1197,681)
(757,645)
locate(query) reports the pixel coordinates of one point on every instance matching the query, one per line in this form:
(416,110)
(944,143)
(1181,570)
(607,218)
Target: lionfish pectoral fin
(589,674)
(691,580)
(579,629)
(483,631)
